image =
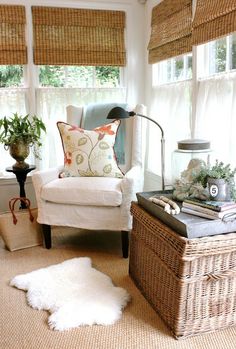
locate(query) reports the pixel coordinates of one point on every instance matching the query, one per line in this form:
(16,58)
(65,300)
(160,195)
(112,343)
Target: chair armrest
(40,178)
(132,182)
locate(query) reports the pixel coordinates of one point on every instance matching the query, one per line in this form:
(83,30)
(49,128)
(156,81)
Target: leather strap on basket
(12,203)
(225,274)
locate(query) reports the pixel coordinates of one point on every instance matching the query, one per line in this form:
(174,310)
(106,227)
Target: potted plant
(220,181)
(18,133)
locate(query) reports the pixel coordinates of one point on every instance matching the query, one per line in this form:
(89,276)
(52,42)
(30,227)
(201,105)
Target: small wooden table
(21,174)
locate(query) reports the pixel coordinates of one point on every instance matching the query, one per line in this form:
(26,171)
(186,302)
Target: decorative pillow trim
(89,153)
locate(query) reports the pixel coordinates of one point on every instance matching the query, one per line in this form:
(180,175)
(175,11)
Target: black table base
(21,174)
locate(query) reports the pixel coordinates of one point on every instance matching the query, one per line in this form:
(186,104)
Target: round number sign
(214,190)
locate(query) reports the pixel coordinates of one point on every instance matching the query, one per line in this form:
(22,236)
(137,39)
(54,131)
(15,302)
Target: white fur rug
(74,293)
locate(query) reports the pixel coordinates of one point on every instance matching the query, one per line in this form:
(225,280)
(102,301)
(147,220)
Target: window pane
(51,76)
(189,66)
(233,52)
(168,70)
(11,75)
(107,76)
(171,70)
(220,55)
(215,54)
(179,68)
(79,76)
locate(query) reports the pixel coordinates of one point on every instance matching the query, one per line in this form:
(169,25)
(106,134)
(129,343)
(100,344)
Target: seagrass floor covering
(22,327)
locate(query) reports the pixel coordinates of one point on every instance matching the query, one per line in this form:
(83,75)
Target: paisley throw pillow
(89,153)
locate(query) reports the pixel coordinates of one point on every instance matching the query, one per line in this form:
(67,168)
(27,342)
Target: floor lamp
(120,113)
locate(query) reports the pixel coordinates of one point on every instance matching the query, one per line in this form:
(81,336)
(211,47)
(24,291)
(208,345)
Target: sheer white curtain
(216,116)
(51,106)
(171,108)
(11,101)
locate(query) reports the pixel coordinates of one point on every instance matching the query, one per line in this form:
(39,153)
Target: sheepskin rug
(74,293)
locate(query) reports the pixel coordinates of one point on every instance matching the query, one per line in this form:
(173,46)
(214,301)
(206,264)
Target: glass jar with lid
(189,149)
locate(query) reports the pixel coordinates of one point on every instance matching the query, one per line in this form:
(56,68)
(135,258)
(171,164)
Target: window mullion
(172,69)
(94,77)
(185,67)
(31,71)
(228,64)
(66,75)
(195,86)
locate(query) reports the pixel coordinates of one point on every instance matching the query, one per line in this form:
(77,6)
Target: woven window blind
(213,19)
(66,36)
(12,35)
(170,30)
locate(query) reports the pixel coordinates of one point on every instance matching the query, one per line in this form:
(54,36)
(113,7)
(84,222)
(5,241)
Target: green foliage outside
(79,76)
(233,50)
(220,56)
(105,75)
(63,76)
(11,75)
(179,67)
(51,76)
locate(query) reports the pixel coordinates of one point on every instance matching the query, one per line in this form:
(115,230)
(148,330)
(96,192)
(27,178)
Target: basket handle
(12,203)
(225,274)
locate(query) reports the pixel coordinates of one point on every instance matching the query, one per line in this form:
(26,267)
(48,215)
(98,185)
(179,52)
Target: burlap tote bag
(19,229)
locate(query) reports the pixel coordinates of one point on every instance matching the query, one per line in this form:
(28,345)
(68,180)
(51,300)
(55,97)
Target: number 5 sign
(218,189)
(214,190)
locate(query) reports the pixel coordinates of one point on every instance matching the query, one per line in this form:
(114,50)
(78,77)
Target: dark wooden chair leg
(125,243)
(47,235)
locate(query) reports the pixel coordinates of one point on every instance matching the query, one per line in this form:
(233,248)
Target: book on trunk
(213,205)
(217,214)
(207,213)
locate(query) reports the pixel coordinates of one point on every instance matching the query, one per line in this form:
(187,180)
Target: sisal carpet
(22,327)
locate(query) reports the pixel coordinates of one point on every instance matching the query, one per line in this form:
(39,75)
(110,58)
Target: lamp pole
(162,146)
(120,113)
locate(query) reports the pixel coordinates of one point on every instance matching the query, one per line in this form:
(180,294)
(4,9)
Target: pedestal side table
(21,174)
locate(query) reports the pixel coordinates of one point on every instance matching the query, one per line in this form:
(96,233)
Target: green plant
(25,128)
(219,170)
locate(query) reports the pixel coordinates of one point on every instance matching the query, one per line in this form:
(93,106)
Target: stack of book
(209,209)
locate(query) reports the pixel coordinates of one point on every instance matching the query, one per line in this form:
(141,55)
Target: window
(218,56)
(198,101)
(45,88)
(60,86)
(11,76)
(172,70)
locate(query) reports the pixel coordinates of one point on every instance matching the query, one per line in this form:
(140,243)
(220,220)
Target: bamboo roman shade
(12,35)
(171,30)
(67,36)
(213,18)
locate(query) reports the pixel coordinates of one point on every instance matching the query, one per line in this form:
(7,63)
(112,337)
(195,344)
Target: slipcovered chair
(92,203)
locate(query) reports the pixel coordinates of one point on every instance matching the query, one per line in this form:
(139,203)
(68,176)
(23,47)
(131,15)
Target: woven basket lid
(194,144)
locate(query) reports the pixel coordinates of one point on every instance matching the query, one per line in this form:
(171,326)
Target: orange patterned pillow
(89,153)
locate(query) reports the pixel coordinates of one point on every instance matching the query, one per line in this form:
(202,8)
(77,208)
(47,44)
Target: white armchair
(93,203)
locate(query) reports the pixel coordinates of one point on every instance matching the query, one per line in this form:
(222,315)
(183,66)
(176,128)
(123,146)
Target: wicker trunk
(191,283)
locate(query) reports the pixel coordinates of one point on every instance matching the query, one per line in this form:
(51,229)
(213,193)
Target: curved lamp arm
(119,113)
